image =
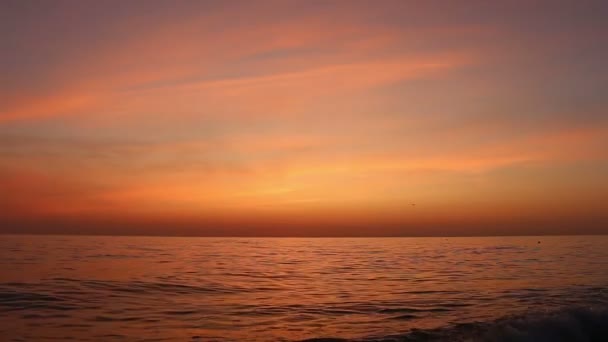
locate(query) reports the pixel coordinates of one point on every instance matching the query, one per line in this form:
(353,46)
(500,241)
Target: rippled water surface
(275,289)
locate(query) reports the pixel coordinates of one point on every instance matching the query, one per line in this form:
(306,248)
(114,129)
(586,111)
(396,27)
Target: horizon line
(295,236)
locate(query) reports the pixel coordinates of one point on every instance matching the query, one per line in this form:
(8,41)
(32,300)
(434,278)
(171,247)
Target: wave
(148,287)
(63,294)
(12,300)
(585,324)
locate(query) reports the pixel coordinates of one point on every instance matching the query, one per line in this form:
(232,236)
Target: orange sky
(304,118)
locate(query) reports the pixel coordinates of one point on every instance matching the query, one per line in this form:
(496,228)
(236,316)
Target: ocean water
(89,288)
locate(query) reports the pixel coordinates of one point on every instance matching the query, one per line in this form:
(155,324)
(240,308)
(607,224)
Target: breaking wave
(588,324)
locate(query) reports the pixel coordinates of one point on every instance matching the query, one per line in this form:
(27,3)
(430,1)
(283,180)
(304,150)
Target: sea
(110,288)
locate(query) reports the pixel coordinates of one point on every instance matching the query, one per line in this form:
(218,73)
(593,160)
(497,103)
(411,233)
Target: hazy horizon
(76,234)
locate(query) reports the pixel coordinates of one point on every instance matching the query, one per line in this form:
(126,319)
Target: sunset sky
(298,118)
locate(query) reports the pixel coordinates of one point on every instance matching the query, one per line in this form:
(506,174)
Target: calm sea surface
(283,289)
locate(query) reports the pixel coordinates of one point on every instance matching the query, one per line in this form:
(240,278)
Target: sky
(304,118)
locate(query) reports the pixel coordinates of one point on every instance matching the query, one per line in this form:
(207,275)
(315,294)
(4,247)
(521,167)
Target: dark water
(283,289)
